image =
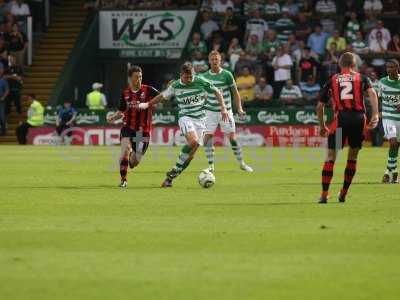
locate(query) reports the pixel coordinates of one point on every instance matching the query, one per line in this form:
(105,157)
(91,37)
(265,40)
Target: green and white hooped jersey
(389,93)
(190,97)
(223,81)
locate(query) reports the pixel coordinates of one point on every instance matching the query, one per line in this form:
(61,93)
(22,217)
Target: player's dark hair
(134,69)
(33,96)
(394,61)
(347,60)
(187,67)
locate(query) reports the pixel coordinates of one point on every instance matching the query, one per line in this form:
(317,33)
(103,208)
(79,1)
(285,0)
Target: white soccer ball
(206,179)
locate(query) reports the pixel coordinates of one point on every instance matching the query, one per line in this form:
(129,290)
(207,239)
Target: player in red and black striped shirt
(346,91)
(135,133)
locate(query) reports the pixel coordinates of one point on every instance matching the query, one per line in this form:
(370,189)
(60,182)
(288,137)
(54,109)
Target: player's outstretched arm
(373,98)
(323,129)
(220,99)
(154,101)
(111,118)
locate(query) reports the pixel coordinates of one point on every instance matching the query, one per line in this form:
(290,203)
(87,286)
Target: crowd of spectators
(13,46)
(281,51)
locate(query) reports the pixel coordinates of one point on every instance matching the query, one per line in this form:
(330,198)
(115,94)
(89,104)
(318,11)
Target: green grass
(67,231)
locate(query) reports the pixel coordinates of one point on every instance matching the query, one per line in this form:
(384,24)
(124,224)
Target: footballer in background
(389,94)
(224,81)
(135,132)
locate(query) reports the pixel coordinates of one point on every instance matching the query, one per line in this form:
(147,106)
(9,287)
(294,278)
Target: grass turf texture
(67,231)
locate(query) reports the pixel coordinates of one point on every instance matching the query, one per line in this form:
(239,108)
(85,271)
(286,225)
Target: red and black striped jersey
(135,119)
(346,90)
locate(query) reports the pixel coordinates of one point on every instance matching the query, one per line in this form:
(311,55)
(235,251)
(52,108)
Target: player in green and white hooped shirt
(389,93)
(191,93)
(223,80)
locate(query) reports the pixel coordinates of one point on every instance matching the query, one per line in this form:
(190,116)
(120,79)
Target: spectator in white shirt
(282,64)
(19,8)
(379,28)
(220,6)
(257,26)
(325,7)
(378,46)
(208,26)
(373,7)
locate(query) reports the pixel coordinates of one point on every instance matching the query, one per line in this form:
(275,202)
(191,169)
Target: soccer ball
(206,179)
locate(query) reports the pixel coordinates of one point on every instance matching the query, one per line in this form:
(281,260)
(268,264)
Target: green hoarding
(170,117)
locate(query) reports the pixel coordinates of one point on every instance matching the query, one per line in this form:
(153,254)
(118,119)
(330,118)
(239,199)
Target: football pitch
(68,232)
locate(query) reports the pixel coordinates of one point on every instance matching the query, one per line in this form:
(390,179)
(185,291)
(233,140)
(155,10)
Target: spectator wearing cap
(96,100)
(65,119)
(35,119)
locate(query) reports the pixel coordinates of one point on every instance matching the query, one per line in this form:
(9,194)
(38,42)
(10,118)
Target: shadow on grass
(333,183)
(261,204)
(87,187)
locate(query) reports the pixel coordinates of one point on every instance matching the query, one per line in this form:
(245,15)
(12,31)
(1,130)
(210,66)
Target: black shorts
(139,140)
(61,128)
(347,127)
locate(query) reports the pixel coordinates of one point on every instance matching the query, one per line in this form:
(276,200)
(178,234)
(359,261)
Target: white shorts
(392,129)
(213,119)
(188,124)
